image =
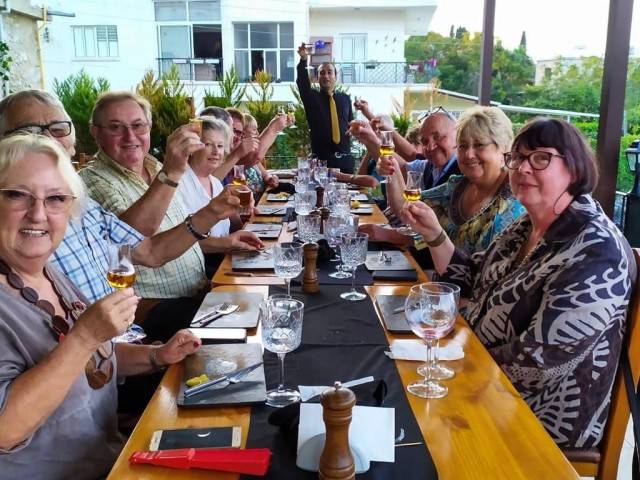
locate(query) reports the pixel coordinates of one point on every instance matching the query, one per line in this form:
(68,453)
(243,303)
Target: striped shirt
(116,189)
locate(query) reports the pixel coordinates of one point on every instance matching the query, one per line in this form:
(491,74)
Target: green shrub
(78,94)
(231,92)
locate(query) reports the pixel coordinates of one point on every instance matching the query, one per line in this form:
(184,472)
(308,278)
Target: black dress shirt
(316,106)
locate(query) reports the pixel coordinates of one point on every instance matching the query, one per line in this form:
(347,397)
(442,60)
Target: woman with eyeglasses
(58,366)
(548,297)
(474,207)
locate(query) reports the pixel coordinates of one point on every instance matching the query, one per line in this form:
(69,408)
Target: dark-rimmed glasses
(433,111)
(56,129)
(21,200)
(117,129)
(538,159)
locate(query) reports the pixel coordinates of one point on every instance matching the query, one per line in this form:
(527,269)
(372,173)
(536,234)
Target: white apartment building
(119,40)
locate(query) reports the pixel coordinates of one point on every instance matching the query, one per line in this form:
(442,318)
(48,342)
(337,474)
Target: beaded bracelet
(153,359)
(439,240)
(193,231)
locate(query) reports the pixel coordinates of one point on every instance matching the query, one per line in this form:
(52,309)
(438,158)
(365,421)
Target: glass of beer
(121,274)
(412,193)
(386,148)
(238,175)
(244,194)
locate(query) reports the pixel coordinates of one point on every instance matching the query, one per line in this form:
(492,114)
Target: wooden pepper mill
(310,279)
(319,196)
(324,214)
(336,461)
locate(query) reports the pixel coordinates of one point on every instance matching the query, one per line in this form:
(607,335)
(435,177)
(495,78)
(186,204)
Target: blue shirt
(82,255)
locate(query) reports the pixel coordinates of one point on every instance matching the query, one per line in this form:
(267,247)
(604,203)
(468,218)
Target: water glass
(287,260)
(353,251)
(334,227)
(430,309)
(308,227)
(305,202)
(303,163)
(281,320)
(341,202)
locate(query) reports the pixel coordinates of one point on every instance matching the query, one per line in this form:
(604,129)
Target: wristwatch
(162,176)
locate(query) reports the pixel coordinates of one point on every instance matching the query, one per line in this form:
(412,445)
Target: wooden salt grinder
(319,196)
(336,461)
(310,279)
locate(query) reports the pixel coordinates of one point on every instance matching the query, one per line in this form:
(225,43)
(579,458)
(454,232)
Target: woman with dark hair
(548,297)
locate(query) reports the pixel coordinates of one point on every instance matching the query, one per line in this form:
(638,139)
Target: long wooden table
(226,276)
(481,429)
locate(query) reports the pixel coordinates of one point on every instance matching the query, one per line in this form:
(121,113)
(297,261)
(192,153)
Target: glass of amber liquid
(121,274)
(386,148)
(291,110)
(238,175)
(412,193)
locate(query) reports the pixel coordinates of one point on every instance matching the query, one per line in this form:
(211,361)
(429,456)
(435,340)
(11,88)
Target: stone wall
(20,34)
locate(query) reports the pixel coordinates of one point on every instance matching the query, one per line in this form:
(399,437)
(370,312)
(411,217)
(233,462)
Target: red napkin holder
(252,461)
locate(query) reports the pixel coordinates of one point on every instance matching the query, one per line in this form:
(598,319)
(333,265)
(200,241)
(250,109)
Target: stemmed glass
(281,334)
(308,227)
(412,192)
(334,227)
(239,177)
(321,173)
(353,251)
(121,274)
(438,370)
(287,261)
(387,147)
(281,112)
(291,110)
(430,310)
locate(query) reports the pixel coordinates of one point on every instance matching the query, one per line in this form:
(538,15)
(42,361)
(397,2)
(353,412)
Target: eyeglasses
(433,111)
(55,129)
(19,200)
(238,133)
(117,129)
(538,159)
(477,147)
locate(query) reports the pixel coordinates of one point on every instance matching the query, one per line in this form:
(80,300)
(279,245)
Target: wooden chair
(602,462)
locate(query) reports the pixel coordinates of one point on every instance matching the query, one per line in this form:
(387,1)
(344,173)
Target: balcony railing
(210,69)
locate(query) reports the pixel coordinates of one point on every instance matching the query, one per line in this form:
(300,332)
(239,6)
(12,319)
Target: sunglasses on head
(435,110)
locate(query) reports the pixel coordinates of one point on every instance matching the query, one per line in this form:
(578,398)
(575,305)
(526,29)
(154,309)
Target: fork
(215,311)
(235,377)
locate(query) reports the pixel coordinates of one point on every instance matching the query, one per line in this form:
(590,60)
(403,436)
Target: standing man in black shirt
(328,135)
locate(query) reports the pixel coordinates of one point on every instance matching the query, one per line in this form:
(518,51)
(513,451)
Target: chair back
(604,465)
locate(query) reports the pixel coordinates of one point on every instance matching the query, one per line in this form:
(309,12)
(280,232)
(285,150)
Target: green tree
(231,91)
(78,94)
(5,62)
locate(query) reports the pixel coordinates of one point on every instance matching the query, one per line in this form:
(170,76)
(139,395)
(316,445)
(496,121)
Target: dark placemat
(326,355)
(363,276)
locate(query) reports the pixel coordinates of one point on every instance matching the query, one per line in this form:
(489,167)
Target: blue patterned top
(475,233)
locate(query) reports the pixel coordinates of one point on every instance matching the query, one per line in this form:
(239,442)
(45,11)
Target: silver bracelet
(153,359)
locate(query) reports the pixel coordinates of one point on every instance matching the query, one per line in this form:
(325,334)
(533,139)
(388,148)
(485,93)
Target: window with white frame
(264,46)
(95,41)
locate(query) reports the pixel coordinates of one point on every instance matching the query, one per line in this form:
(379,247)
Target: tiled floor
(626,455)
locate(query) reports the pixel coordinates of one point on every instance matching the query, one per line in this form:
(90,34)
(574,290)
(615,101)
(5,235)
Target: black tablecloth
(341,340)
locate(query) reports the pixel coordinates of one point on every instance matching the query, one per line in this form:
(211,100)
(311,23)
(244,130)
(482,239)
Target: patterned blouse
(554,320)
(472,234)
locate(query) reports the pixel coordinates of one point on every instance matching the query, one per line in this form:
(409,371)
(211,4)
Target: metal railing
(371,72)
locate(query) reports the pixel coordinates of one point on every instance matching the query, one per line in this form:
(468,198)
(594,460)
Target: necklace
(478,202)
(98,372)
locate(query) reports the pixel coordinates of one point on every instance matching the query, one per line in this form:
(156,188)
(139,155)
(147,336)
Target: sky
(553,27)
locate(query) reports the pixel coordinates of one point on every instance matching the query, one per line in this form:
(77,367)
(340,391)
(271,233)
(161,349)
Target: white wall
(137,41)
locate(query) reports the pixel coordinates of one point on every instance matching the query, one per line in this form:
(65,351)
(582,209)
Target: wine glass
(412,192)
(239,177)
(438,370)
(281,111)
(305,202)
(387,147)
(308,227)
(281,333)
(291,110)
(430,310)
(353,251)
(287,261)
(121,274)
(334,227)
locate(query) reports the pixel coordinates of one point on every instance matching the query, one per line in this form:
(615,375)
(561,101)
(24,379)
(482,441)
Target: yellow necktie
(335,126)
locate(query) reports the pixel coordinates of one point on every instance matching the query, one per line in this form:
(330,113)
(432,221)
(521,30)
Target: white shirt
(195,197)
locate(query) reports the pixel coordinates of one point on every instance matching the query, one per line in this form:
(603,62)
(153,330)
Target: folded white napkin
(307,392)
(417,350)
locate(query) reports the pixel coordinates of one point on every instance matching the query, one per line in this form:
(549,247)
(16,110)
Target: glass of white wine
(121,274)
(291,110)
(412,192)
(387,147)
